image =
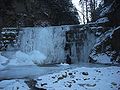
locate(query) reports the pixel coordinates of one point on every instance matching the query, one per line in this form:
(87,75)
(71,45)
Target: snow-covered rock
(106,49)
(102,20)
(102,58)
(105,10)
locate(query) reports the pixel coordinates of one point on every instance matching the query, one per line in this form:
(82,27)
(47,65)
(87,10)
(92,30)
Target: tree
(88,10)
(15,13)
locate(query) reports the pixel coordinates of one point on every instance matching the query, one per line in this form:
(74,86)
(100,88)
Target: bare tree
(82,4)
(88,10)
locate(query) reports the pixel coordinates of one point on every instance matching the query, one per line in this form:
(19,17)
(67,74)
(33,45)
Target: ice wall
(57,42)
(87,46)
(48,40)
(79,42)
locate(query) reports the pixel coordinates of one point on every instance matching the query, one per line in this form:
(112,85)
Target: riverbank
(69,78)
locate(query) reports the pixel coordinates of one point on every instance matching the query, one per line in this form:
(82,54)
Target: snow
(39,45)
(102,20)
(37,57)
(96,28)
(13,85)
(102,58)
(64,64)
(80,78)
(105,78)
(3,61)
(21,58)
(105,10)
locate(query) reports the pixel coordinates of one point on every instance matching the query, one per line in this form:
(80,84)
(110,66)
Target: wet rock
(31,84)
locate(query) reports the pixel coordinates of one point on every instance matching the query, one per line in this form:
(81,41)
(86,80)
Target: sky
(76,4)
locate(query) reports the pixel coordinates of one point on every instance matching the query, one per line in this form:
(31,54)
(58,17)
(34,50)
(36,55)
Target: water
(33,71)
(30,71)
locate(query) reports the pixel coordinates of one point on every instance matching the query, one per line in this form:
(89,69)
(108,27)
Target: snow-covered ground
(13,85)
(84,78)
(31,71)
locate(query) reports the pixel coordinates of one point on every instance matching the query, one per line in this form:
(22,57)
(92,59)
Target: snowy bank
(106,49)
(84,78)
(13,85)
(106,78)
(21,58)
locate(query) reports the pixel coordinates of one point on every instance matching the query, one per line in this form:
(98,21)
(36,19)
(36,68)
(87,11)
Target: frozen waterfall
(48,40)
(57,43)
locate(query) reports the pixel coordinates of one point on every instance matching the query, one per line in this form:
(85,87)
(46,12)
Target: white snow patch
(105,78)
(64,64)
(37,57)
(21,58)
(13,85)
(102,20)
(106,10)
(102,58)
(96,28)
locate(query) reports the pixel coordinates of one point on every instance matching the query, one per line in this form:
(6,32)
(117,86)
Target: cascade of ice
(79,43)
(57,42)
(87,46)
(48,40)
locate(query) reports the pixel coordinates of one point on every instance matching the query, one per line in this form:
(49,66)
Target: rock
(91,85)
(70,73)
(43,84)
(116,40)
(85,73)
(31,84)
(114,84)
